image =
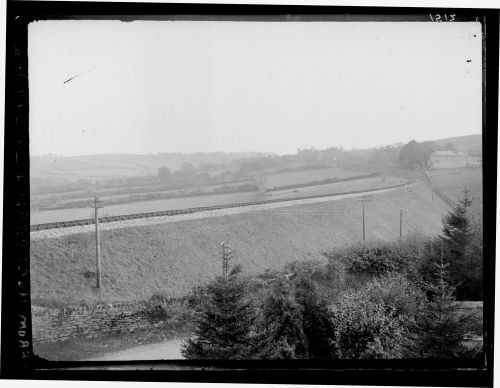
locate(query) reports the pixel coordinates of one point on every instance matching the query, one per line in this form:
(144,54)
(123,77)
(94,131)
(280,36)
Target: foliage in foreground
(379,300)
(279,315)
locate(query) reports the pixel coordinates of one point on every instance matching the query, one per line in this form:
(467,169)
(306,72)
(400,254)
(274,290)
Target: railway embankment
(171,258)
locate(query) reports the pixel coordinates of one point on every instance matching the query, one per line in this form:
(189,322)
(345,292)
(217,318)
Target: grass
(140,207)
(72,168)
(338,188)
(306,176)
(452,181)
(172,258)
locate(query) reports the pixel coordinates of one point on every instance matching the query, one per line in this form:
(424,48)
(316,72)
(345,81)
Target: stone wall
(51,324)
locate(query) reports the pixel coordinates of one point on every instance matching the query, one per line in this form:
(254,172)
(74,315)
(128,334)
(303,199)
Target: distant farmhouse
(453,159)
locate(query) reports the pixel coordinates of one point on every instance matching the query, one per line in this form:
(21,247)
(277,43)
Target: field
(174,257)
(65,169)
(306,176)
(453,181)
(38,217)
(336,188)
(140,206)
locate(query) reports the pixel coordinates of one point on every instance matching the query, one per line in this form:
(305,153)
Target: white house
(453,159)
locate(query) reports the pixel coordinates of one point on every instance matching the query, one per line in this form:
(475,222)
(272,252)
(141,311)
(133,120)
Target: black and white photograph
(288,187)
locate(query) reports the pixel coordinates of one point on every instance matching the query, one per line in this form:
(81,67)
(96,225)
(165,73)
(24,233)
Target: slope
(172,258)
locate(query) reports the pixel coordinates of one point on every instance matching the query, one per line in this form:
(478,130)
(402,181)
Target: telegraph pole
(364,226)
(363,217)
(227,255)
(400,223)
(97,205)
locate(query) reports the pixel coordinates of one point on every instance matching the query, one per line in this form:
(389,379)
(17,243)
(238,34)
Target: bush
(170,311)
(406,298)
(364,328)
(375,259)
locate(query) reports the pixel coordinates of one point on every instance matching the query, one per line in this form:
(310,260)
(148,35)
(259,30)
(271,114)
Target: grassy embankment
(452,181)
(172,258)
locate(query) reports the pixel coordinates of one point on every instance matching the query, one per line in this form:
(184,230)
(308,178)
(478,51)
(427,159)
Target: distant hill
(72,168)
(60,169)
(469,143)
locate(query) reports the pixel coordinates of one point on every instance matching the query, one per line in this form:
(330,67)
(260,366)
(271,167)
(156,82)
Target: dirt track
(168,350)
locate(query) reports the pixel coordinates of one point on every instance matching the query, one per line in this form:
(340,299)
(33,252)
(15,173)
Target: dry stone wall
(50,324)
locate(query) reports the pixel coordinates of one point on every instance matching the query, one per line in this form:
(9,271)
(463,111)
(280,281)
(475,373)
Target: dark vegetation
(378,300)
(416,154)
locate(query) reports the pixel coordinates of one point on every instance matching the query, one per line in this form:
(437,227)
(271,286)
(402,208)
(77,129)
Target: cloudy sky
(163,86)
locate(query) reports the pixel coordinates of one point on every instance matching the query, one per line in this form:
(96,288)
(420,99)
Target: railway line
(163,213)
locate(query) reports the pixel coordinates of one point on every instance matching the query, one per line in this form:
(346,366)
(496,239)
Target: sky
(147,87)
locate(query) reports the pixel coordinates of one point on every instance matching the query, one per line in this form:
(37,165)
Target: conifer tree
(225,324)
(463,250)
(443,330)
(279,329)
(317,328)
(457,229)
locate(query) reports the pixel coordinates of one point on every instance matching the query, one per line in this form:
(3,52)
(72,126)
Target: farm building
(453,159)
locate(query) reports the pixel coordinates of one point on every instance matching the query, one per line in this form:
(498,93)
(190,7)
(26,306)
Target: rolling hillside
(469,143)
(72,168)
(172,258)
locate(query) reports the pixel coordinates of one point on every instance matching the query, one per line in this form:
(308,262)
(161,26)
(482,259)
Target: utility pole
(227,256)
(400,223)
(363,217)
(364,228)
(97,205)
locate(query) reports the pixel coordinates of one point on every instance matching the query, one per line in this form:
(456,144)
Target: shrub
(171,311)
(375,259)
(406,298)
(364,328)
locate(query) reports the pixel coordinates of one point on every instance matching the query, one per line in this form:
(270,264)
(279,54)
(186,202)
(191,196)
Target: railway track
(163,213)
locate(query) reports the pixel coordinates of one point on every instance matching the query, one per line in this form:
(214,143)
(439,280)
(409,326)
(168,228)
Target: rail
(164,213)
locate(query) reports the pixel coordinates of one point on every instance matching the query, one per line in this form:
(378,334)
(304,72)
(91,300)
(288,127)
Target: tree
(317,329)
(457,228)
(292,321)
(449,147)
(429,147)
(279,331)
(443,329)
(463,248)
(225,323)
(164,174)
(413,154)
